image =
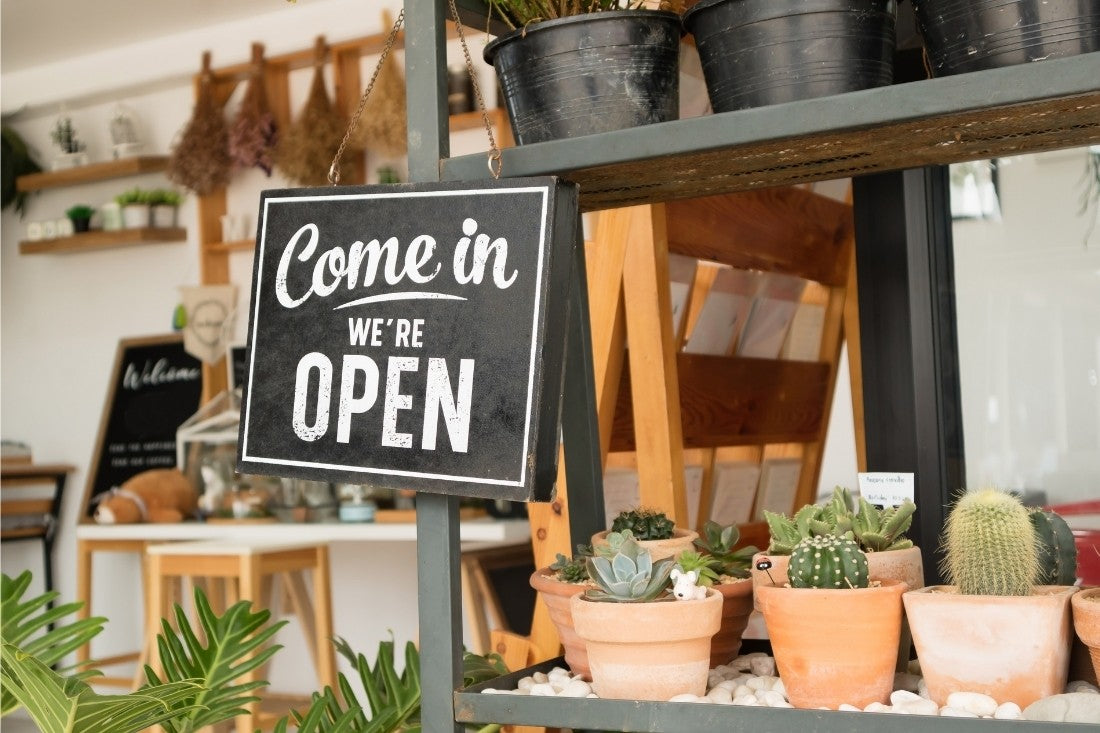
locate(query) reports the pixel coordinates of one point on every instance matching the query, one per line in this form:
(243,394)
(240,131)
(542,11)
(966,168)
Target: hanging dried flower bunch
(200,160)
(306,150)
(383,126)
(253,135)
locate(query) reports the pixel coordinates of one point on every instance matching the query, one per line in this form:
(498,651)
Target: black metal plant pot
(589,73)
(760,52)
(971,35)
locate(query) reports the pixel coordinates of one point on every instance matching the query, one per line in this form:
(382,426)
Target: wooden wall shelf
(89,241)
(91,173)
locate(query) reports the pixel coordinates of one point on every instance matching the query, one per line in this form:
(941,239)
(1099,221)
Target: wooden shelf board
(89,241)
(91,173)
(1025,108)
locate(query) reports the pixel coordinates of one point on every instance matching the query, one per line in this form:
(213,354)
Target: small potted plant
(135,208)
(81,216)
(643,643)
(834,631)
(575,68)
(164,207)
(725,569)
(557,584)
(991,630)
(653,530)
(72,147)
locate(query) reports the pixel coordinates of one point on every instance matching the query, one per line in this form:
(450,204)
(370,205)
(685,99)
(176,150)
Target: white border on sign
(545,191)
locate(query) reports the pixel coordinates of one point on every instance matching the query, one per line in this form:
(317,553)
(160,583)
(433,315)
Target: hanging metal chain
(334,169)
(495,163)
(494,151)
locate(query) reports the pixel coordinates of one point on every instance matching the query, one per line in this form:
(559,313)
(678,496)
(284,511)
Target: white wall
(1028,299)
(61,316)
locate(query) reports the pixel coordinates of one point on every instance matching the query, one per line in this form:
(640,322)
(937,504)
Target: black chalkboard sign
(411,336)
(237,366)
(155,386)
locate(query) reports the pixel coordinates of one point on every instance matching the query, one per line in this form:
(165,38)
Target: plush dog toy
(684,585)
(157,495)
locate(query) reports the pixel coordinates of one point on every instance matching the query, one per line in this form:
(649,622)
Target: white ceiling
(35,32)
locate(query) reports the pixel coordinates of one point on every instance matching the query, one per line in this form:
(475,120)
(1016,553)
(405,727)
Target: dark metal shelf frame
(1049,105)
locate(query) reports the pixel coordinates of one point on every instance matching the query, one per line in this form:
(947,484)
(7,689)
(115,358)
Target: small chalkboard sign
(236,365)
(411,336)
(155,386)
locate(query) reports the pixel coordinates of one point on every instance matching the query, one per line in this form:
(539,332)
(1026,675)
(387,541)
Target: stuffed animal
(157,495)
(684,585)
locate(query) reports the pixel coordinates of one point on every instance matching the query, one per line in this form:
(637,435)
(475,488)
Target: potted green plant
(576,67)
(643,644)
(164,207)
(970,35)
(135,208)
(653,530)
(760,52)
(556,585)
(72,148)
(991,630)
(726,569)
(834,631)
(81,216)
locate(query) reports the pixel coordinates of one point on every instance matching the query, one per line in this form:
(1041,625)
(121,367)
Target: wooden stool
(251,565)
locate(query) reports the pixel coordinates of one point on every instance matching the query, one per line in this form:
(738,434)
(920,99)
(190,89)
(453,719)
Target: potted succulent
(135,208)
(72,147)
(643,643)
(759,52)
(653,530)
(576,67)
(164,207)
(834,632)
(556,585)
(991,630)
(970,35)
(725,569)
(81,216)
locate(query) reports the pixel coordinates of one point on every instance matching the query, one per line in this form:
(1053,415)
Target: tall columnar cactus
(1057,553)
(990,546)
(828,562)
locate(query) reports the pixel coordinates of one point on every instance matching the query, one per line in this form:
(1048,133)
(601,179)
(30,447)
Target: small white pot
(164,216)
(135,216)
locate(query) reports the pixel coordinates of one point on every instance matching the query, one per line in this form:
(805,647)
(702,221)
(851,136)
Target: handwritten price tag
(886,489)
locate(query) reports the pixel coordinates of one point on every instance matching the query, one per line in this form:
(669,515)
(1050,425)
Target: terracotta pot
(736,608)
(1012,648)
(681,540)
(904,565)
(834,646)
(1086,620)
(557,595)
(648,651)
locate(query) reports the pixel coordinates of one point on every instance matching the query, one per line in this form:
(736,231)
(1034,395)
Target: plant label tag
(411,336)
(886,489)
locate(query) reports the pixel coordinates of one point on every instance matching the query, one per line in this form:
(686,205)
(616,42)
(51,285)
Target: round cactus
(828,562)
(990,546)
(1057,553)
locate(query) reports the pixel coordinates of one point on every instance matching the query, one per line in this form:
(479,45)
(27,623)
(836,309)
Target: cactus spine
(1057,553)
(828,562)
(990,545)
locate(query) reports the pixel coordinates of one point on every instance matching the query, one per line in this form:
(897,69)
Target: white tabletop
(481,531)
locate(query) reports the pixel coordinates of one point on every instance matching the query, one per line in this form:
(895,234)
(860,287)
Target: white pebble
(783,704)
(1082,686)
(742,691)
(771,698)
(720,695)
(919,706)
(898,697)
(741,664)
(849,708)
(762,666)
(950,712)
(491,691)
(558,672)
(922,690)
(729,685)
(543,689)
(876,707)
(761,683)
(748,700)
(525,683)
(576,688)
(685,697)
(914,667)
(594,695)
(974,702)
(541,677)
(1007,711)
